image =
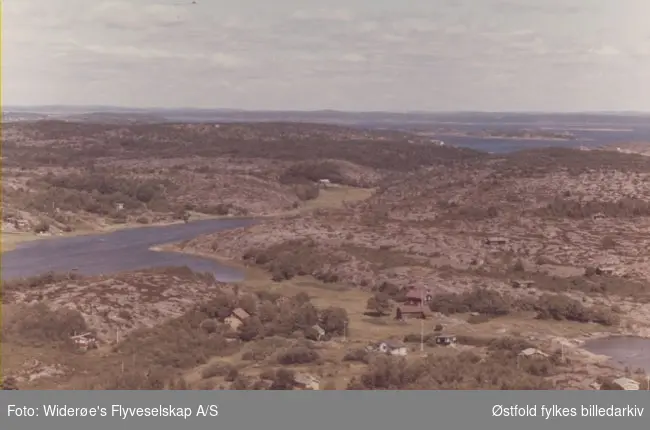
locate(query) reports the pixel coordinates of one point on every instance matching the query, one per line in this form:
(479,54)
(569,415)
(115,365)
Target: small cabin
(446,339)
(607,270)
(522,283)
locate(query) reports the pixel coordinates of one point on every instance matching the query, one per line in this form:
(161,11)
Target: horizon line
(95,107)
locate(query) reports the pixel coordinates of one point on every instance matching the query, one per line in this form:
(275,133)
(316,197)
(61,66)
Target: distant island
(508,134)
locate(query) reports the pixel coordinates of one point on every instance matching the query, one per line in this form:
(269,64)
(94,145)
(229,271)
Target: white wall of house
(399,351)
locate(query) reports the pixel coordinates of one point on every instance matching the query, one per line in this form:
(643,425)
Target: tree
(284,380)
(379,303)
(248,302)
(334,320)
(306,316)
(250,329)
(608,384)
(267,311)
(220,307)
(301,298)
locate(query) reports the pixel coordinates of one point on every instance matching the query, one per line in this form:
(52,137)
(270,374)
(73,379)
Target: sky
(390,55)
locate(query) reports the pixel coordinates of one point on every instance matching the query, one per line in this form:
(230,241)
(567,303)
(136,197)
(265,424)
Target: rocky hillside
(64,176)
(544,214)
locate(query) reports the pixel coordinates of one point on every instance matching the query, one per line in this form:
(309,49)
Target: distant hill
(107,114)
(115,118)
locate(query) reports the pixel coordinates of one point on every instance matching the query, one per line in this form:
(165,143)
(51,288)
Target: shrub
(379,303)
(561,307)
(284,379)
(359,354)
(42,227)
(307,191)
(478,319)
(462,371)
(298,355)
(479,300)
(250,329)
(40,324)
(8,383)
(216,369)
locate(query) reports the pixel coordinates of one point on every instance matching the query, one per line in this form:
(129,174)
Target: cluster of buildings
(84,341)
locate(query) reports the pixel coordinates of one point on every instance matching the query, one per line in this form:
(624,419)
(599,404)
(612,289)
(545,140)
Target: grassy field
(337,196)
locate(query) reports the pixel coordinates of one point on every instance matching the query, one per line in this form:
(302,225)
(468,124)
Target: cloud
(354,54)
(133,52)
(131,15)
(322,14)
(354,58)
(605,50)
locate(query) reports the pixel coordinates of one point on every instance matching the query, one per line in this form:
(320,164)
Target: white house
(325,183)
(392,347)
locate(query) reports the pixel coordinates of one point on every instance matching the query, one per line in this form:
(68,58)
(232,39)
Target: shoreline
(28,237)
(340,194)
(507,138)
